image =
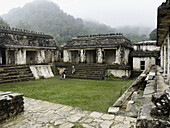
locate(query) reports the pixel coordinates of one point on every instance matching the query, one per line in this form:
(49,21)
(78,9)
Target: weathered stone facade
(145,55)
(25,47)
(109,49)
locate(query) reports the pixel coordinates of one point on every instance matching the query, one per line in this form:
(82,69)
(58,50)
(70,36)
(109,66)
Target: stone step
(14,73)
(16,76)
(84,77)
(16,80)
(15,68)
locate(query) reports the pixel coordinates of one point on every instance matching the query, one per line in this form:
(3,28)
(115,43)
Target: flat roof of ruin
(149,42)
(15,31)
(26,47)
(98,41)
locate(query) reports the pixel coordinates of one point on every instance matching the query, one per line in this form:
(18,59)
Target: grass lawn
(91,95)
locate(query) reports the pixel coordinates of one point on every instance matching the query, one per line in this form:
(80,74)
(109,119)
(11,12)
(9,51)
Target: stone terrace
(40,114)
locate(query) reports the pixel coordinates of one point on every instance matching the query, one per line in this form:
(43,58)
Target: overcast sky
(111,12)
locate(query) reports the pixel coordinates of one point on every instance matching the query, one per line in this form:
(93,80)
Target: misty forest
(47,17)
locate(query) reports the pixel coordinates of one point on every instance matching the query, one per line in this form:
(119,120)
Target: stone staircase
(84,71)
(88,72)
(14,73)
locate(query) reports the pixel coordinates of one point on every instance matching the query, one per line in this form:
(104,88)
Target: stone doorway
(74,56)
(91,56)
(31,57)
(3,55)
(110,56)
(11,57)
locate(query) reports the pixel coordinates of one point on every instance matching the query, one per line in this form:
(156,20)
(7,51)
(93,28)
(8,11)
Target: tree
(153,35)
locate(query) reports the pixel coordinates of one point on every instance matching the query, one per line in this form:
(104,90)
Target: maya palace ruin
(26,55)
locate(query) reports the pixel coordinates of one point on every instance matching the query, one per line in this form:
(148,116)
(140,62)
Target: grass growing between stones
(91,95)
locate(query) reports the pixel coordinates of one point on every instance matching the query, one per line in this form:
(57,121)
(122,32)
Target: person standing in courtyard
(60,72)
(73,70)
(64,74)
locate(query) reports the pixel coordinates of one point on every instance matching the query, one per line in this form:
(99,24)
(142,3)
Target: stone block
(106,124)
(107,117)
(119,118)
(96,114)
(113,110)
(10,104)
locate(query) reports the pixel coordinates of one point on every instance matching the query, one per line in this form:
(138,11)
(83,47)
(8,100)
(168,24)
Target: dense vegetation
(47,17)
(153,34)
(89,95)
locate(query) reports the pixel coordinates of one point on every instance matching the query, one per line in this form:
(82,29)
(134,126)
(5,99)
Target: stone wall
(10,104)
(120,73)
(42,71)
(149,61)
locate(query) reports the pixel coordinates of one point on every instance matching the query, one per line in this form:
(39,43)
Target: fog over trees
(47,17)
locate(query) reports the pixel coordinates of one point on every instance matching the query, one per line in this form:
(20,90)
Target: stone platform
(42,114)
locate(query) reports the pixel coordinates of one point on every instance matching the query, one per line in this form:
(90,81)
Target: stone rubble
(10,104)
(42,114)
(162,104)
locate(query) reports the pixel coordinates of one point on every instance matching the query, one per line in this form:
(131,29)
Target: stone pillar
(20,56)
(66,56)
(168,66)
(118,55)
(164,59)
(0,57)
(99,55)
(162,56)
(52,56)
(6,53)
(40,56)
(82,56)
(126,57)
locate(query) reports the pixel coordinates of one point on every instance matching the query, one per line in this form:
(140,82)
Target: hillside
(46,16)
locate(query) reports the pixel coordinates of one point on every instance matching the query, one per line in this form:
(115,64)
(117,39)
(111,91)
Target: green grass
(91,95)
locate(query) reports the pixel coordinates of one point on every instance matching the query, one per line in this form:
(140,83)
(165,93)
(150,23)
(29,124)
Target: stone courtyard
(42,114)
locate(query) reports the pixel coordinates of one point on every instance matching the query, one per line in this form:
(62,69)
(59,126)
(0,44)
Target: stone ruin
(147,99)
(10,104)
(102,49)
(162,104)
(26,47)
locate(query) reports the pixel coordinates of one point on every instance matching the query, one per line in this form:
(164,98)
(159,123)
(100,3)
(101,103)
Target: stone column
(6,53)
(0,57)
(52,56)
(118,55)
(162,56)
(82,56)
(24,56)
(168,66)
(41,56)
(99,55)
(164,59)
(20,56)
(66,57)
